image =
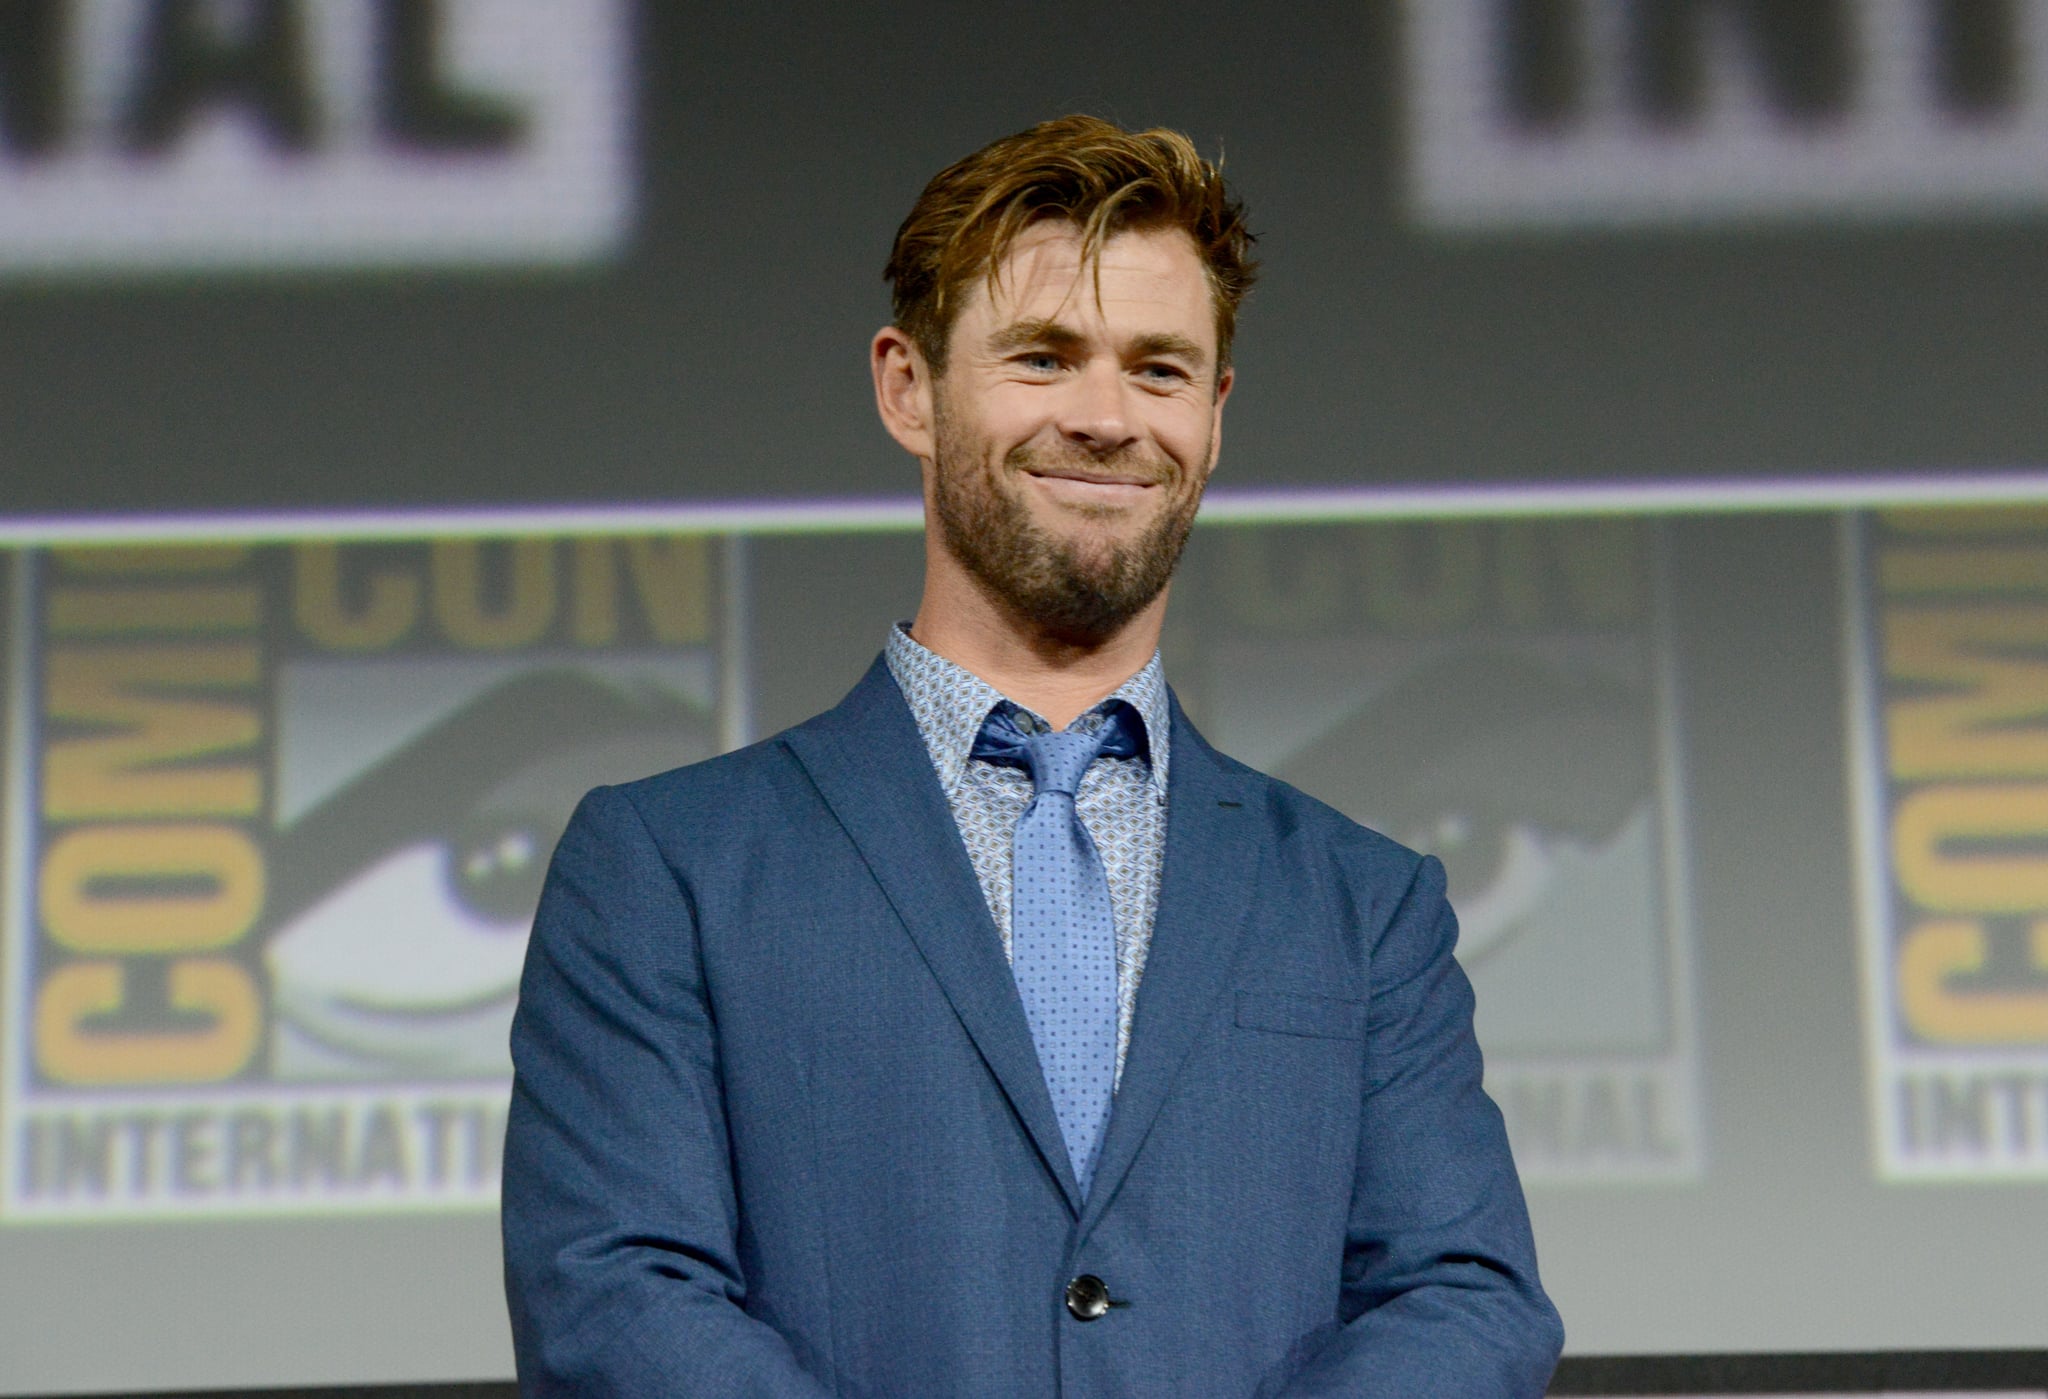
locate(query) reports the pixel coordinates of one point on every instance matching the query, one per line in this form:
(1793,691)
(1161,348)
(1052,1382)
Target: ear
(1223,387)
(903,391)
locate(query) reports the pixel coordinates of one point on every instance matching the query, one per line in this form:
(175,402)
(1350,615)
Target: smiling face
(1074,428)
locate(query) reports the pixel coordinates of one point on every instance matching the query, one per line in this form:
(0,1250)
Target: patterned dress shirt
(1122,801)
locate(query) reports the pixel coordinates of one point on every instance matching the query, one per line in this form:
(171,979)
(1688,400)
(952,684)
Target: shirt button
(1087,1297)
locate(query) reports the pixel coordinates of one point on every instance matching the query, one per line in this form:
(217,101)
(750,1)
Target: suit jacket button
(1087,1297)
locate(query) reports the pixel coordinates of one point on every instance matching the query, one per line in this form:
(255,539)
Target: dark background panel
(722,355)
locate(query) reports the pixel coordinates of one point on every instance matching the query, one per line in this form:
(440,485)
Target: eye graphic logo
(277,821)
(397,950)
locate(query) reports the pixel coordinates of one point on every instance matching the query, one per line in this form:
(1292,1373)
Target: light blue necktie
(1062,930)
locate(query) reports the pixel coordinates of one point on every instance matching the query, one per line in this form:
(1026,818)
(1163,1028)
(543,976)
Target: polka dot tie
(1062,930)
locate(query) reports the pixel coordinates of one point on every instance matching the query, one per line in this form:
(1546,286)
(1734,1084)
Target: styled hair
(1078,169)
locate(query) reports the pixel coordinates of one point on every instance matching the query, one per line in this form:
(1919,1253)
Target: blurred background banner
(1499,693)
(1950,610)
(205,134)
(281,818)
(1562,112)
(419,411)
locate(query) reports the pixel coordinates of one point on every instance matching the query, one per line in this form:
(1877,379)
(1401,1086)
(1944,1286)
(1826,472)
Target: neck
(1055,677)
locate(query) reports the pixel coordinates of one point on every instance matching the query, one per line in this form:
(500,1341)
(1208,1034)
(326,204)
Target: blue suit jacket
(778,1127)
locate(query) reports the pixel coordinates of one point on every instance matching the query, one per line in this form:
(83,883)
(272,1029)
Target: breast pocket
(1313,1017)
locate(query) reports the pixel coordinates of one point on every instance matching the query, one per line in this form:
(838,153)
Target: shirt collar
(951,703)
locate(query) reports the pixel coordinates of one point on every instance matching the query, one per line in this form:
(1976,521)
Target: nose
(1096,414)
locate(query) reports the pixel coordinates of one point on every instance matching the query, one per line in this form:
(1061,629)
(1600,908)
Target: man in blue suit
(991,1034)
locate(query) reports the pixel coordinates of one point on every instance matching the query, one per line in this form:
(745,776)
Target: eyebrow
(1169,343)
(1019,335)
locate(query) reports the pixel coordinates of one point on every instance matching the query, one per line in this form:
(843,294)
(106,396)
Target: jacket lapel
(1212,854)
(869,763)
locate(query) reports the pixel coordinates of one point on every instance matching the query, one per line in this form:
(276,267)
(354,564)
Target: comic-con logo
(1952,678)
(287,812)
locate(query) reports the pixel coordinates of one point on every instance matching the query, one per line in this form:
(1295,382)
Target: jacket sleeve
(619,1210)
(1440,1294)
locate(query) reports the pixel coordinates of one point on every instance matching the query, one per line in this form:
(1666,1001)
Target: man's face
(1076,427)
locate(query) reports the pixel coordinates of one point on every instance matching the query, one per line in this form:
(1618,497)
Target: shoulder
(766,781)
(732,793)
(1387,906)
(1329,870)
(1299,821)
(769,790)
(1363,859)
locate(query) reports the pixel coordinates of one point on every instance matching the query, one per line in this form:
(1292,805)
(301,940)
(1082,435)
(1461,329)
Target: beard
(1078,592)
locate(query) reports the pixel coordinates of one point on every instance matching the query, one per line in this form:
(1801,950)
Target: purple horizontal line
(1224,506)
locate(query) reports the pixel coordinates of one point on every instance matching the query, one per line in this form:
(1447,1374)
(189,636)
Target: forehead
(1141,280)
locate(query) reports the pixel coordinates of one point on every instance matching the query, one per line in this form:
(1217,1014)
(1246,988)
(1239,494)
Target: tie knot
(1059,760)
(1056,761)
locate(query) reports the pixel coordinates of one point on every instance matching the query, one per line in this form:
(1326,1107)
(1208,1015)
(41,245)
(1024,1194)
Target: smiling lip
(1086,478)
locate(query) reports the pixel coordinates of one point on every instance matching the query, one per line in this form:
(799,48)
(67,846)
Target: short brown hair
(1083,170)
